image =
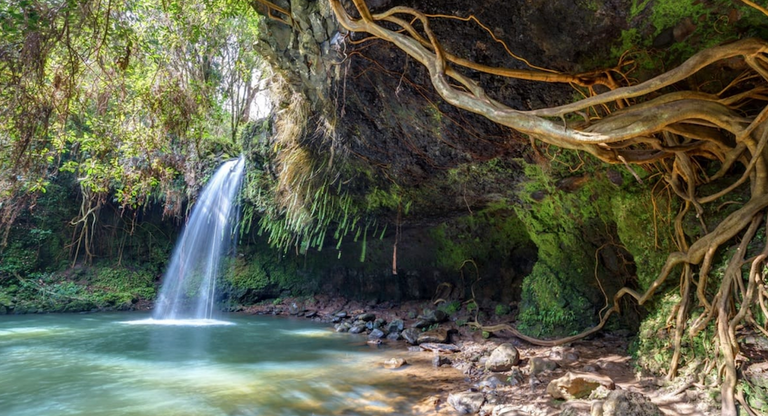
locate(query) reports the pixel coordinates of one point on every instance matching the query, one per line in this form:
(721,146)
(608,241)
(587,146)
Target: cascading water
(189,284)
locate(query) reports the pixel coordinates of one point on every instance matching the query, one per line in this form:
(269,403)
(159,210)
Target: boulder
(294,309)
(577,385)
(366,317)
(503,358)
(411,335)
(396,326)
(342,327)
(466,402)
(356,329)
(626,403)
(393,336)
(376,334)
(437,336)
(393,363)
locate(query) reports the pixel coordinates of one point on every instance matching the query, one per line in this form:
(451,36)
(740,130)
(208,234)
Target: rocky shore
(493,374)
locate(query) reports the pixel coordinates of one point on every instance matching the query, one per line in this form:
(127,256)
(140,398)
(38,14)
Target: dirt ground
(521,393)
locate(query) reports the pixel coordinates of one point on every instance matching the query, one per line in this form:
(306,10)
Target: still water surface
(105,364)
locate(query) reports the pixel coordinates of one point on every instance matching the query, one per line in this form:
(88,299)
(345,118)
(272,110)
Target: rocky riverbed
(472,372)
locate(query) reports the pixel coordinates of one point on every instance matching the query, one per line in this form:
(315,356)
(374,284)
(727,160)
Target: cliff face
(468,180)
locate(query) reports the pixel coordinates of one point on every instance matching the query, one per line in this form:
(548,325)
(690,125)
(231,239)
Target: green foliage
(710,21)
(502,310)
(450,307)
(654,346)
(72,291)
(131,101)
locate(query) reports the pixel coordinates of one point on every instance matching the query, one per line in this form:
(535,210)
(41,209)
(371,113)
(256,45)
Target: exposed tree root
(645,123)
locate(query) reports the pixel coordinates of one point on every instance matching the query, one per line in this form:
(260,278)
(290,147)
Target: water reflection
(99,365)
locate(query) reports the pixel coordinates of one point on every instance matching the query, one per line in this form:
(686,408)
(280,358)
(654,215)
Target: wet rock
(396,326)
(379,324)
(437,347)
(422,323)
(342,327)
(340,314)
(626,403)
(335,320)
(366,317)
(430,318)
(356,329)
(393,336)
(411,335)
(439,360)
(310,314)
(436,336)
(539,365)
(393,363)
(293,309)
(503,358)
(577,385)
(466,402)
(376,334)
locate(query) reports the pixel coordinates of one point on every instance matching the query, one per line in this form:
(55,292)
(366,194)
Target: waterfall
(188,289)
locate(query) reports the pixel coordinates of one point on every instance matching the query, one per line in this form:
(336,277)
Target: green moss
(643,222)
(494,231)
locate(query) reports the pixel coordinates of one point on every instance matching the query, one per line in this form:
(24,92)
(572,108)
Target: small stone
(437,347)
(341,314)
(393,363)
(515,377)
(577,385)
(539,365)
(503,358)
(439,360)
(490,382)
(589,368)
(379,323)
(466,402)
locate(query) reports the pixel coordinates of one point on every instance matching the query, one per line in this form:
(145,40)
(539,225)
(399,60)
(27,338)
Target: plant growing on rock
(692,137)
